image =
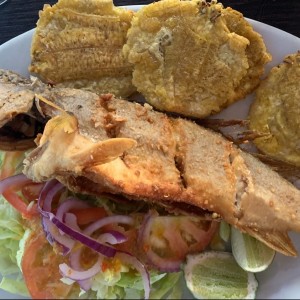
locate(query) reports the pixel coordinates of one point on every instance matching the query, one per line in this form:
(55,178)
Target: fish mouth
(19,133)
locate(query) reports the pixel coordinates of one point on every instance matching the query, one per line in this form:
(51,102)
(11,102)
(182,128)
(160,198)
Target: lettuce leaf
(134,280)
(123,284)
(14,286)
(168,287)
(11,233)
(128,285)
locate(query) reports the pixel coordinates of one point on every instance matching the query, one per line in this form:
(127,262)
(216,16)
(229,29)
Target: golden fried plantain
(189,57)
(256,51)
(275,113)
(79,44)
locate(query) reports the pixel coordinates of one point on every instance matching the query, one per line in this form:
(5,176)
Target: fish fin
(86,154)
(50,103)
(279,241)
(103,152)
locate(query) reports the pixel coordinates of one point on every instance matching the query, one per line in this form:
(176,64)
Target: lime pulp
(251,254)
(216,275)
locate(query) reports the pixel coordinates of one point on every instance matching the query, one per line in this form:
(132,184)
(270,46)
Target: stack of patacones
(190,58)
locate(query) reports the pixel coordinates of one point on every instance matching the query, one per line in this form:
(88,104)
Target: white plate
(282,279)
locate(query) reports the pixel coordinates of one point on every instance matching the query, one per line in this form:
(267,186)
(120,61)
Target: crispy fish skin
(174,161)
(17,128)
(78,44)
(81,152)
(15,96)
(275,112)
(193,57)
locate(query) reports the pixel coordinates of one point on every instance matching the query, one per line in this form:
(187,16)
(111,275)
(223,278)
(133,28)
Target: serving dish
(281,279)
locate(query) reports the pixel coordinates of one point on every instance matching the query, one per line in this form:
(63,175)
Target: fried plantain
(275,113)
(256,51)
(79,44)
(193,57)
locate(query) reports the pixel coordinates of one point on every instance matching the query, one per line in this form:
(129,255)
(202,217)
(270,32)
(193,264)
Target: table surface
(18,16)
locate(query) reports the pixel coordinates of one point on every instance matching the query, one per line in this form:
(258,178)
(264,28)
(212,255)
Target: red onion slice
(127,258)
(53,234)
(75,264)
(120,219)
(68,204)
(158,262)
(167,233)
(85,284)
(75,259)
(44,205)
(83,277)
(70,273)
(83,238)
(46,196)
(48,235)
(13,182)
(163,264)
(112,237)
(71,220)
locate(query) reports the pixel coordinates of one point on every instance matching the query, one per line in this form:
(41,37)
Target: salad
(57,244)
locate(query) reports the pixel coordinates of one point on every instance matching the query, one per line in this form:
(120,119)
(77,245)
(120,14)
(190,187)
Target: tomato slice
(167,240)
(88,215)
(8,168)
(130,245)
(10,162)
(31,191)
(18,203)
(40,267)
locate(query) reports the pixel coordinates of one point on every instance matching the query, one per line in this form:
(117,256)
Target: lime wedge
(251,254)
(221,239)
(216,275)
(224,231)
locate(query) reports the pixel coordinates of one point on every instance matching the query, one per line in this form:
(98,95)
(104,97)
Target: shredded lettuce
(168,287)
(11,233)
(22,244)
(14,285)
(127,284)
(130,286)
(132,279)
(14,163)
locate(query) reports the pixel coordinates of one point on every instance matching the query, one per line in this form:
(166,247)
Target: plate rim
(267,27)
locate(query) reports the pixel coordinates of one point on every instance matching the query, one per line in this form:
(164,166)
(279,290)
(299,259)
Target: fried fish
(174,161)
(110,145)
(19,122)
(194,57)
(79,44)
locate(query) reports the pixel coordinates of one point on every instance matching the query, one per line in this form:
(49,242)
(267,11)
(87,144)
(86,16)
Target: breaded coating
(79,44)
(18,123)
(110,145)
(275,112)
(191,58)
(173,162)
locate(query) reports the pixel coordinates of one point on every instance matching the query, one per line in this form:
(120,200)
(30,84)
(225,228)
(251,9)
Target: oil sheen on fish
(108,145)
(171,161)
